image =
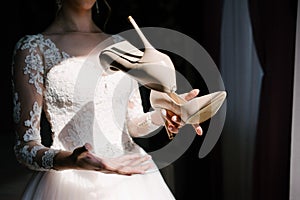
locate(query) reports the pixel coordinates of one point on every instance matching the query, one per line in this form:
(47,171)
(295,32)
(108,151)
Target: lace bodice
(82,104)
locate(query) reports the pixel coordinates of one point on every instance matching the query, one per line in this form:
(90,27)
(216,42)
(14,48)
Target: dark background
(274,34)
(33,16)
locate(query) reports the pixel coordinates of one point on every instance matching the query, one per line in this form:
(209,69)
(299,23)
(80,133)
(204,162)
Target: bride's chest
(81,80)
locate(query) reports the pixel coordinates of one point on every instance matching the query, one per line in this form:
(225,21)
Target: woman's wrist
(63,160)
(157,118)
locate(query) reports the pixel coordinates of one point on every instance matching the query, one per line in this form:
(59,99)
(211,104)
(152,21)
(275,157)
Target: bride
(93,115)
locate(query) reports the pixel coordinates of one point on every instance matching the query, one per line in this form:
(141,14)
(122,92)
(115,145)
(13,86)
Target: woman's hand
(129,164)
(173,121)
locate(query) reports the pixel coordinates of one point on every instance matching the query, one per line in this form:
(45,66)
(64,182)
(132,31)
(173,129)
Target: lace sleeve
(140,123)
(27,82)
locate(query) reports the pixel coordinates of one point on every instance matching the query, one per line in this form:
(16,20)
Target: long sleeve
(28,79)
(140,123)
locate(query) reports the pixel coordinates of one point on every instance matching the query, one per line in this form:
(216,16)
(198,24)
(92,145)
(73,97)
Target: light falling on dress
(83,104)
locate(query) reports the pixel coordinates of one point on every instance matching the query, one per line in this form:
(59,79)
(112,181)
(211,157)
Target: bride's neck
(75,22)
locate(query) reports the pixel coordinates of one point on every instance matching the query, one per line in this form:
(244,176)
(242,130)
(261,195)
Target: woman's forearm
(145,124)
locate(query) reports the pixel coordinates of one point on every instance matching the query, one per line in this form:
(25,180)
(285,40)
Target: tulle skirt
(90,185)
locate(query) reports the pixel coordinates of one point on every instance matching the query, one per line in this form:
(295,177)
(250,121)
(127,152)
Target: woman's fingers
(172,118)
(173,121)
(88,146)
(141,164)
(189,96)
(198,129)
(192,94)
(129,170)
(134,159)
(128,164)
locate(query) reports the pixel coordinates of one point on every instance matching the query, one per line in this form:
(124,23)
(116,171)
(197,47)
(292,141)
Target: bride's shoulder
(28,42)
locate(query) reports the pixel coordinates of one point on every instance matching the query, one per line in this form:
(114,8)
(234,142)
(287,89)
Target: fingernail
(199,130)
(174,118)
(196,91)
(163,112)
(171,127)
(88,146)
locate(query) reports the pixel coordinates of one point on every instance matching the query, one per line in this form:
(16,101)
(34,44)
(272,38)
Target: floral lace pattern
(79,110)
(26,156)
(33,133)
(35,70)
(32,47)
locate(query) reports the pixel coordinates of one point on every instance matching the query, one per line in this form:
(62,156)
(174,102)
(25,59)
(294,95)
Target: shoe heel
(149,67)
(140,33)
(152,55)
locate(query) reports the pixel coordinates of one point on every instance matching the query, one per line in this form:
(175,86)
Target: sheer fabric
(82,104)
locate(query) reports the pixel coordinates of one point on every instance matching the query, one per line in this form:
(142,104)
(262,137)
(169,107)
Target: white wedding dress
(83,104)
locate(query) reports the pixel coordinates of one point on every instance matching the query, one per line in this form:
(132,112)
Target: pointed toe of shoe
(203,108)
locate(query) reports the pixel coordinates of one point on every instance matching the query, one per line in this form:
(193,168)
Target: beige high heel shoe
(194,111)
(150,68)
